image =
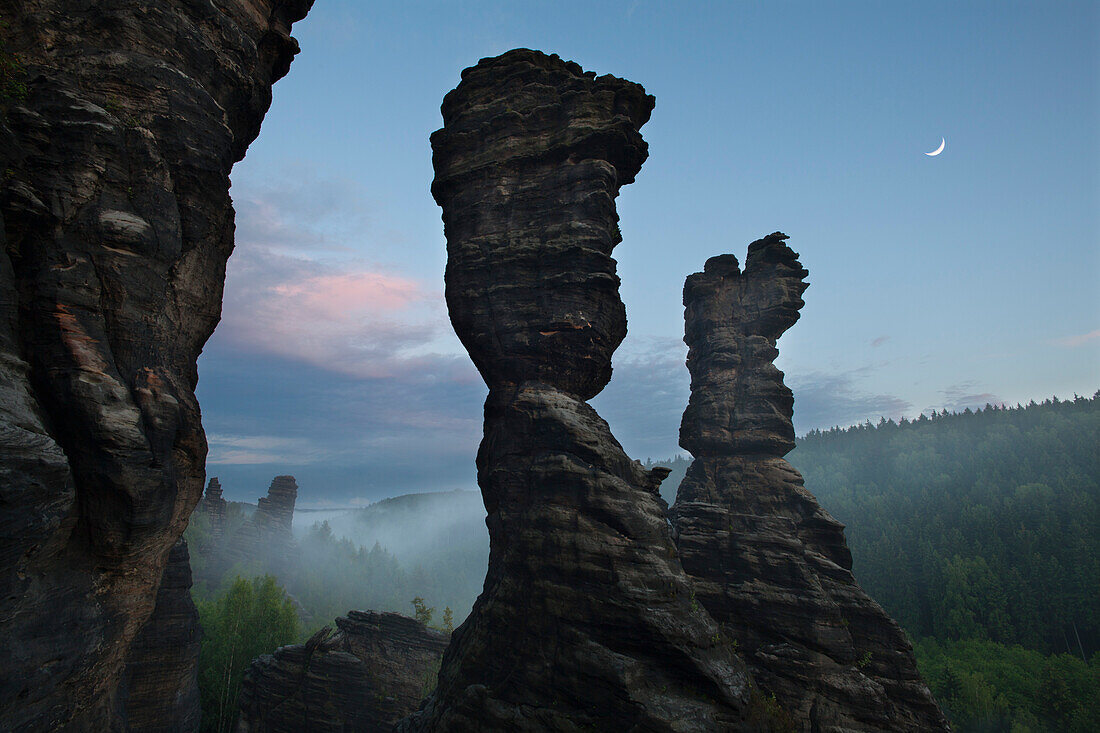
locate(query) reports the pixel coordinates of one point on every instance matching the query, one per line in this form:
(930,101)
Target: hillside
(973,525)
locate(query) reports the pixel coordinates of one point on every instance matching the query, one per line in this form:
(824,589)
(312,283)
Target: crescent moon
(938,150)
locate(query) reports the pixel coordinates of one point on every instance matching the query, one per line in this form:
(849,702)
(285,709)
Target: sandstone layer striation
(116,143)
(373,671)
(768,562)
(587,620)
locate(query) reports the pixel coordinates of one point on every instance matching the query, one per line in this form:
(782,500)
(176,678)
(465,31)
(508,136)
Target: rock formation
(587,620)
(768,562)
(215,508)
(262,543)
(275,512)
(116,145)
(160,690)
(267,536)
(373,671)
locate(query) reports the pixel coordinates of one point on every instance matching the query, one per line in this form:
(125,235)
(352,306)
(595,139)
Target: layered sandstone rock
(587,621)
(768,562)
(275,512)
(116,225)
(160,690)
(372,672)
(215,508)
(266,538)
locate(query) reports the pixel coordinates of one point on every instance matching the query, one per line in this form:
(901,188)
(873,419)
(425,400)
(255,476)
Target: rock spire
(768,562)
(215,508)
(587,620)
(160,690)
(275,512)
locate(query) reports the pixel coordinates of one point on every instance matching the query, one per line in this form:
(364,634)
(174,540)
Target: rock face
(160,690)
(372,672)
(116,225)
(768,562)
(215,508)
(587,620)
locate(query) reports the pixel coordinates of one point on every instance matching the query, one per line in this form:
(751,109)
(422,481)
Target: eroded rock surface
(768,562)
(373,671)
(587,620)
(116,225)
(160,690)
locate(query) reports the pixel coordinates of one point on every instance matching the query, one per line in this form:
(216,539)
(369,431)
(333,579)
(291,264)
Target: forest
(979,532)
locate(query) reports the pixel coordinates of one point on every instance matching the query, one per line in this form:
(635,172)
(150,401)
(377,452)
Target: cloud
(824,400)
(338,296)
(295,289)
(958,397)
(339,434)
(1079,339)
(262,449)
(647,395)
(359,322)
(296,211)
(879,341)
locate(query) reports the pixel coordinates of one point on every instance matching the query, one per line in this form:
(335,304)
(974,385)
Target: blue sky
(935,282)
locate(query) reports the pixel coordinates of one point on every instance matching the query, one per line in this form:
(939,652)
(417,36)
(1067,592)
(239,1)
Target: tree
(252,618)
(448,620)
(423,613)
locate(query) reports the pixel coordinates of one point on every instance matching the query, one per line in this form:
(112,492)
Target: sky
(936,282)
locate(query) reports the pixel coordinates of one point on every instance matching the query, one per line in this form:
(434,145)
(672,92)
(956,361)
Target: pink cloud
(293,289)
(340,297)
(360,322)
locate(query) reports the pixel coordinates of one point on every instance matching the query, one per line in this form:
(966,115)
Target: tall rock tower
(587,620)
(215,508)
(275,512)
(769,563)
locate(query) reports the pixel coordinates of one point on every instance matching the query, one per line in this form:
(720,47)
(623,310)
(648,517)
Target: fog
(412,527)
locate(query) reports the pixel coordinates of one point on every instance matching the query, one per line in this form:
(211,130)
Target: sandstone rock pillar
(215,508)
(586,621)
(115,227)
(768,562)
(275,512)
